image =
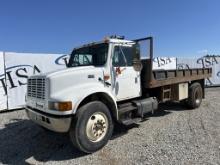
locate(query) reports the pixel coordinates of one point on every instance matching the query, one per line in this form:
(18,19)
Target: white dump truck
(108,82)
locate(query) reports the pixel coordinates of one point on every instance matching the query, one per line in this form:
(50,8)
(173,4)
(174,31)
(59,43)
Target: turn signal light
(60,106)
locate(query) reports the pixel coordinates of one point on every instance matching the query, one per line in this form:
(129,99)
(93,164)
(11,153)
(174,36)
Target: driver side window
(122,56)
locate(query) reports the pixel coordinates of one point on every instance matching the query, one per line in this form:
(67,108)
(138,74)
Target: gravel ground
(173,135)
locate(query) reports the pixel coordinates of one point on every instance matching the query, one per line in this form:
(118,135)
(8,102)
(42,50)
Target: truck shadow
(23,142)
(120,130)
(167,108)
(173,106)
(163,109)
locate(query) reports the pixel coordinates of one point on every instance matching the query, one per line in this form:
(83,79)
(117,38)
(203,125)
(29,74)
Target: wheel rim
(96,127)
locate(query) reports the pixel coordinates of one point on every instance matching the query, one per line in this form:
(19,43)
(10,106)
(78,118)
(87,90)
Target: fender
(78,93)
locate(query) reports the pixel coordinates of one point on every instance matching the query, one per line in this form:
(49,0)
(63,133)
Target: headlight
(60,106)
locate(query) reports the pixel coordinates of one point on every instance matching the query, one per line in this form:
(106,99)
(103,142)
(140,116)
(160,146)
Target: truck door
(125,80)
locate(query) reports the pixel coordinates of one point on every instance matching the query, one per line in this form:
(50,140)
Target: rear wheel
(195,96)
(92,127)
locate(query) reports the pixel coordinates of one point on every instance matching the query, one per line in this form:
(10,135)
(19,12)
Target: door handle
(136,80)
(107,83)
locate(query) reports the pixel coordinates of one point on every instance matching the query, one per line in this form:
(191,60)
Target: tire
(92,127)
(195,96)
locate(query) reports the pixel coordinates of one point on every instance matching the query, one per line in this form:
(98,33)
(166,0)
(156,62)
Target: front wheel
(92,127)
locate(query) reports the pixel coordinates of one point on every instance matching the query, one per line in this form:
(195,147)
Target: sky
(181,28)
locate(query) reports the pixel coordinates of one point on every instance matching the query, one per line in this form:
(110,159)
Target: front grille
(36,88)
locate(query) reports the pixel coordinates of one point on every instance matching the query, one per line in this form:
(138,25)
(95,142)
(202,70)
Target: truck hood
(71,70)
(75,77)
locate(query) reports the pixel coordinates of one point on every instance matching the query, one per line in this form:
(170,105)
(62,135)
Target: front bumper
(51,122)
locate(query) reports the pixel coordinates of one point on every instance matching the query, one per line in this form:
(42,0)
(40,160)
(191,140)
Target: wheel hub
(96,127)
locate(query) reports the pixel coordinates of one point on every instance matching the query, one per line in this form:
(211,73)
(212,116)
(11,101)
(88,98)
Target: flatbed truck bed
(168,77)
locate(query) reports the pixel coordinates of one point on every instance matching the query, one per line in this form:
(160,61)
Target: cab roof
(107,40)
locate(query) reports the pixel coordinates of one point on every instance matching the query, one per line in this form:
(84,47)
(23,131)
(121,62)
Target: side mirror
(137,65)
(136,62)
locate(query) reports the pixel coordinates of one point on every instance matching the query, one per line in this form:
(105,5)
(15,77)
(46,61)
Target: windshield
(95,55)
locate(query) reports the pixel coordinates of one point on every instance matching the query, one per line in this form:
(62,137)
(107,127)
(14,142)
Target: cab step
(134,112)
(125,111)
(126,107)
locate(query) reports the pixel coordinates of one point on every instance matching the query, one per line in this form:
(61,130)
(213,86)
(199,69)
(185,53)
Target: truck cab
(114,58)
(104,83)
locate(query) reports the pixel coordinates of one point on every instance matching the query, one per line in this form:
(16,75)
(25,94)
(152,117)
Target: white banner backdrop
(3,96)
(18,66)
(164,63)
(203,62)
(21,65)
